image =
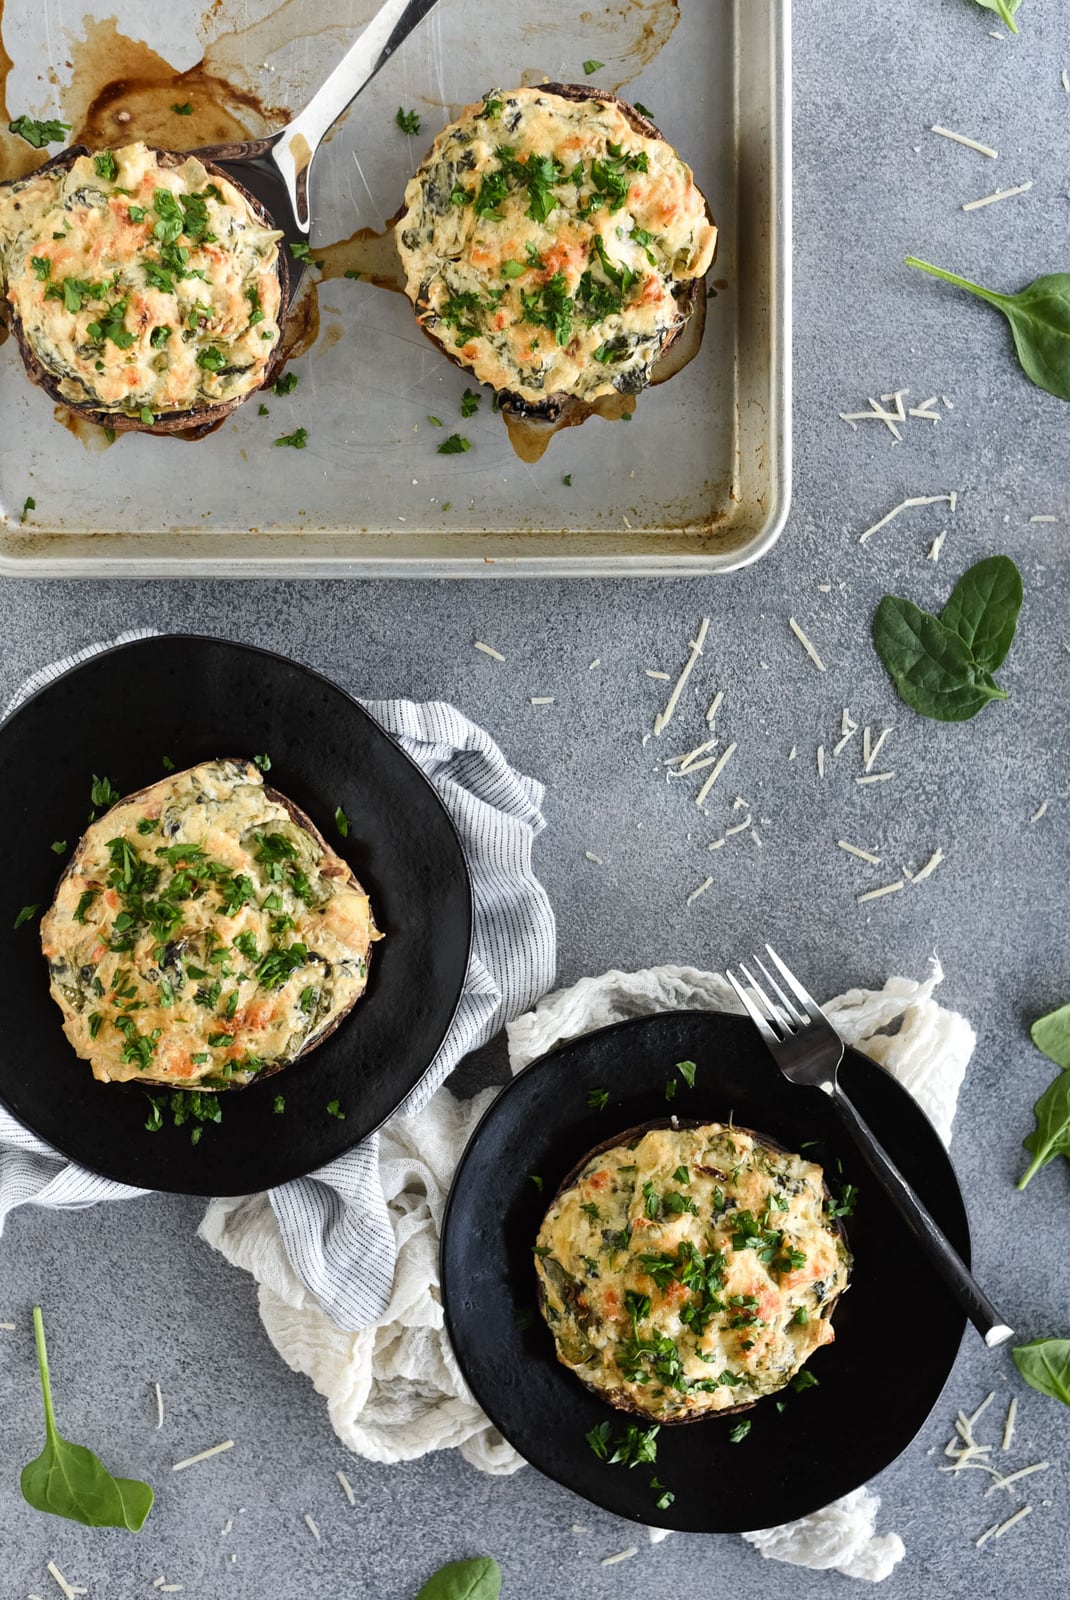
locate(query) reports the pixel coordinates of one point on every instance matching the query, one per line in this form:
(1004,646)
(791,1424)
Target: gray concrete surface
(132,1296)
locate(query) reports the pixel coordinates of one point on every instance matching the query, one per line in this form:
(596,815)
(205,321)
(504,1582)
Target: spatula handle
(926,1231)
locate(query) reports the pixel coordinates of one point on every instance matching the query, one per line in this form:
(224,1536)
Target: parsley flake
(341,822)
(335,1110)
(407,121)
(455,445)
(185,110)
(297,440)
(39,133)
(592,66)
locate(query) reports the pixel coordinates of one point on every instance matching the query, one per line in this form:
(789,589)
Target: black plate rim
(216,640)
(608,1502)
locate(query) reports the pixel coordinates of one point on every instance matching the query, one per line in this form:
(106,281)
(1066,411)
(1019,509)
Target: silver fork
(808,1050)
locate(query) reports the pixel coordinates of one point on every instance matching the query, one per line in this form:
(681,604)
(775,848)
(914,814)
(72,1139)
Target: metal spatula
(808,1050)
(276,168)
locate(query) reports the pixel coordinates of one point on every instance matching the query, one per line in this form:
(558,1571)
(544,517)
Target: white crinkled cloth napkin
(333,1229)
(393,1389)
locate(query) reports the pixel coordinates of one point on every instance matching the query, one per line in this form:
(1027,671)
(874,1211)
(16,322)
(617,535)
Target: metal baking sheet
(698,482)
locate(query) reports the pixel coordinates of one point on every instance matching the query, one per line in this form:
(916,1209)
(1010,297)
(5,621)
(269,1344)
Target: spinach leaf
(1045,1366)
(464,1580)
(1052,1035)
(1006,9)
(983,610)
(930,665)
(1039,316)
(1051,1137)
(69,1480)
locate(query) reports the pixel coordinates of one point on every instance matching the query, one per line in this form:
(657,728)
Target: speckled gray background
(133,1298)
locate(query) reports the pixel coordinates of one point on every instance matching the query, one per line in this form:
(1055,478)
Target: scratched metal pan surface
(698,482)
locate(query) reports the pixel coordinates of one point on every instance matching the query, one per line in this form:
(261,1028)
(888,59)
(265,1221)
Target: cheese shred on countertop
(1000,194)
(347,1487)
(662,720)
(621,1555)
(807,646)
(878,894)
(70,1590)
(905,505)
(190,1461)
(488,650)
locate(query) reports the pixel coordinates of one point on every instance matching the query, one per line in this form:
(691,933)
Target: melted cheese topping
(551,247)
(691,1271)
(141,288)
(200,935)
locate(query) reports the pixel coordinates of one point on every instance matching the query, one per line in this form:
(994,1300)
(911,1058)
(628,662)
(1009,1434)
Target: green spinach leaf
(1052,1035)
(69,1480)
(930,665)
(983,610)
(1051,1137)
(1007,10)
(464,1580)
(1045,1366)
(1039,316)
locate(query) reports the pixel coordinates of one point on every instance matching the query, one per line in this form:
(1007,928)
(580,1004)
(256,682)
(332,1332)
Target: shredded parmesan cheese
(807,646)
(191,1461)
(929,868)
(959,138)
(597,662)
(1023,1472)
(916,500)
(1066,80)
(541,700)
(707,883)
(740,827)
(793,752)
(877,894)
(662,677)
(876,777)
(718,844)
(821,760)
(70,1590)
(998,1529)
(1000,194)
(924,410)
(722,762)
(981,1409)
(8,1327)
(576,1528)
(1008,1426)
(495,655)
(311,1526)
(685,761)
(875,413)
(622,1555)
(225,1529)
(592,857)
(1043,519)
(661,722)
(714,707)
(1039,812)
(875,750)
(347,1488)
(159,1406)
(863,855)
(936,547)
(171,1588)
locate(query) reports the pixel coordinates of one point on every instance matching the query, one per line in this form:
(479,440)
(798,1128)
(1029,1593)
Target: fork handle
(926,1230)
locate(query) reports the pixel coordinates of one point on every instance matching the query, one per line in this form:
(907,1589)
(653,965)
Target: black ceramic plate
(897,1329)
(192,699)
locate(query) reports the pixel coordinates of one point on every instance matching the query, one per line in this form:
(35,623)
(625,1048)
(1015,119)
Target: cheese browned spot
(689,1270)
(551,247)
(204,933)
(141,287)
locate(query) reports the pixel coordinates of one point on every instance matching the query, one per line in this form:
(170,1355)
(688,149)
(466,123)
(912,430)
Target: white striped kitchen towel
(334,1223)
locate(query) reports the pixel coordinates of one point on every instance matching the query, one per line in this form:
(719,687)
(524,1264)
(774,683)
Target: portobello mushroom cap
(332,867)
(197,421)
(562,407)
(630,1137)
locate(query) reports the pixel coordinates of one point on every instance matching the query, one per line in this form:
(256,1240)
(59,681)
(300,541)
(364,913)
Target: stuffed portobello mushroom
(687,1270)
(204,934)
(146,289)
(553,244)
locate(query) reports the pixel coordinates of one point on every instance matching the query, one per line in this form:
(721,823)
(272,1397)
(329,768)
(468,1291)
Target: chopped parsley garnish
(158,277)
(800,1316)
(170,218)
(455,445)
(58,846)
(591,1210)
(185,110)
(263,762)
(279,1105)
(307,999)
(845,1205)
(458,313)
(39,133)
(804,1380)
(666,1499)
(514,269)
(298,439)
(567,480)
(159,336)
(246,944)
(256,310)
(72,291)
(681,1175)
(592,66)
(644,111)
(29,504)
(492,109)
(274,968)
(407,121)
(111,326)
(551,307)
(42,266)
(670,1088)
(211,358)
(341,822)
(136,213)
(106,166)
(470,403)
(436,422)
(262,411)
(25,914)
(146,416)
(219,1041)
(85,900)
(301,250)
(334,1109)
(740,1431)
(687,1070)
(536,1180)
(597,1099)
(632,1448)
